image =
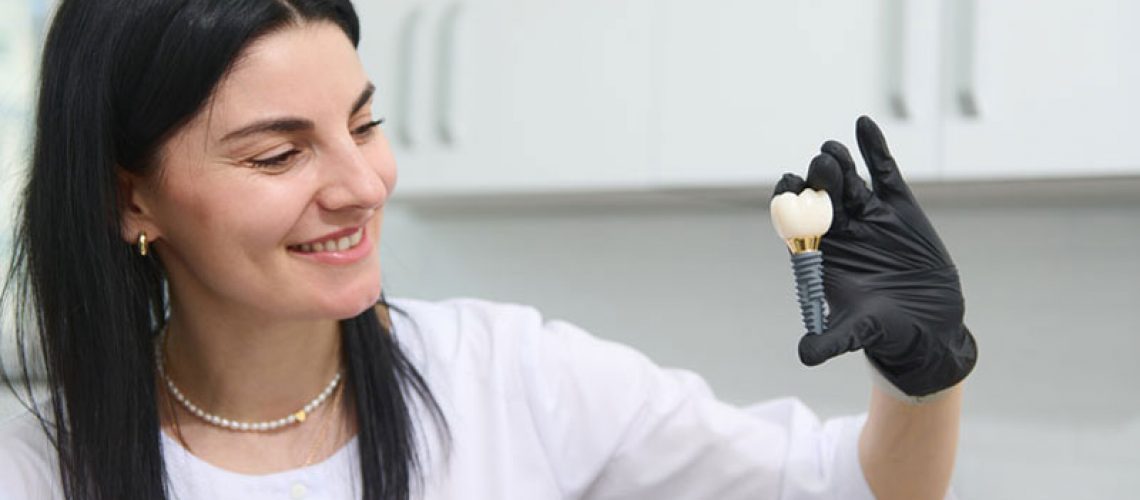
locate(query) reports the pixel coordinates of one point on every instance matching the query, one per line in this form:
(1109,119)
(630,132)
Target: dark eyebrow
(287,125)
(280,125)
(365,96)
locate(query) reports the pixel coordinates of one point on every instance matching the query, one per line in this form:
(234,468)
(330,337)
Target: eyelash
(275,161)
(362,131)
(367,128)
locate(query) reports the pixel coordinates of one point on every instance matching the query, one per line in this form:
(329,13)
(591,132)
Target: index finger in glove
(824,173)
(789,183)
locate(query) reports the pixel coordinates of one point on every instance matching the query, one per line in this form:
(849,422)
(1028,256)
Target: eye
(275,161)
(366,130)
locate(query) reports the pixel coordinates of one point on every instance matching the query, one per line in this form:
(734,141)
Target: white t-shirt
(537,409)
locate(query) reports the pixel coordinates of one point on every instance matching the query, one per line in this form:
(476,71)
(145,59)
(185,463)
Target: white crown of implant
(805,215)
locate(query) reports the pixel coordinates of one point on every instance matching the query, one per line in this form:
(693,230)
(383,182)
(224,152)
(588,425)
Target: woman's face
(271,199)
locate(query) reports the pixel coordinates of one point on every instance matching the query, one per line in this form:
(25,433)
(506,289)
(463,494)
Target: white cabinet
(1040,89)
(536,96)
(491,96)
(963,88)
(749,89)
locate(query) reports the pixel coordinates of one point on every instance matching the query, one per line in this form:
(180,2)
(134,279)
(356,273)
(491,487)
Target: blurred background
(610,162)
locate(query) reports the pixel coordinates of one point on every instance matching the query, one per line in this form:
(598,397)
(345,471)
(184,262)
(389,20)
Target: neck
(248,368)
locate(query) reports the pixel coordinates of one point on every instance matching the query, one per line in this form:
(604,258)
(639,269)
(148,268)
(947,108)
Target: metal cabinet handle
(405,131)
(965,83)
(446,116)
(896,59)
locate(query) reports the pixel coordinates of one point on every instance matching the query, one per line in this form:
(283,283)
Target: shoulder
(505,373)
(502,330)
(28,462)
(462,326)
(473,338)
(465,313)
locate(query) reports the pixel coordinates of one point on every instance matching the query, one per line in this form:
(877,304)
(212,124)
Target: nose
(351,180)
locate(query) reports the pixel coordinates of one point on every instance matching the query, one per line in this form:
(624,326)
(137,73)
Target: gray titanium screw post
(808,269)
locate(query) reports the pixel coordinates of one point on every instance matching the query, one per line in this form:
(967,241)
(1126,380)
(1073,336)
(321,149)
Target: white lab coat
(538,410)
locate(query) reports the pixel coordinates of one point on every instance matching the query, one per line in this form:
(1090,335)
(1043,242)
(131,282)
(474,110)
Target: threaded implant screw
(808,270)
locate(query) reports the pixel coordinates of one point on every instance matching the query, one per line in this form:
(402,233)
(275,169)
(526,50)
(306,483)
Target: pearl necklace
(234,425)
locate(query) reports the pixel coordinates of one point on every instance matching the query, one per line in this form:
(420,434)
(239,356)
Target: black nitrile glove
(891,287)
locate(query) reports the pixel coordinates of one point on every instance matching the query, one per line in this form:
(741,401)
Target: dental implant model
(801,220)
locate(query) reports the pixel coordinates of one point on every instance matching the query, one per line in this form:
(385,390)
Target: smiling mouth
(331,245)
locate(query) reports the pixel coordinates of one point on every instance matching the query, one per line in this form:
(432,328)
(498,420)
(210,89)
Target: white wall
(1050,272)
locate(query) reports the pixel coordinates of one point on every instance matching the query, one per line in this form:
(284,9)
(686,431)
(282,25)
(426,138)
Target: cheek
(231,219)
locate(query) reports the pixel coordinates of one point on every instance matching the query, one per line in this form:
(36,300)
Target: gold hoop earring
(143,247)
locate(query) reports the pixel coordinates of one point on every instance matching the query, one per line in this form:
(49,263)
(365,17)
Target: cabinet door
(751,88)
(1042,88)
(399,40)
(520,95)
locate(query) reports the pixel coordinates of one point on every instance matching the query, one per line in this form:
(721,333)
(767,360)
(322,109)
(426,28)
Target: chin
(350,305)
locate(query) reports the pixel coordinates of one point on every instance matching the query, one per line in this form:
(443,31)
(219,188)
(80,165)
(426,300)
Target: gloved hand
(890,285)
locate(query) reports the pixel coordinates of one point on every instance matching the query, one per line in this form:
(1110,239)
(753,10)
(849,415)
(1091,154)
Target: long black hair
(118,78)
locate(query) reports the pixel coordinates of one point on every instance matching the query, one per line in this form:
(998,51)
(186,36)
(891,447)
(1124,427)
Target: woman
(197,255)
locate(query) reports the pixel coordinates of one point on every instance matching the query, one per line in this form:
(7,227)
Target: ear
(134,208)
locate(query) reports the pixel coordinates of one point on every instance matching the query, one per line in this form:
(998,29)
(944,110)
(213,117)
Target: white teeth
(338,245)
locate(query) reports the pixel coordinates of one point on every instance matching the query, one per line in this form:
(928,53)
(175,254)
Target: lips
(339,241)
